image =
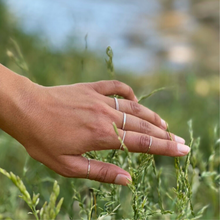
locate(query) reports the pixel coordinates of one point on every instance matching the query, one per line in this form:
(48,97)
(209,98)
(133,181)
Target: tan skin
(56,125)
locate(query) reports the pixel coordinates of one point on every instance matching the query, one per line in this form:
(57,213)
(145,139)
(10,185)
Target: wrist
(15,98)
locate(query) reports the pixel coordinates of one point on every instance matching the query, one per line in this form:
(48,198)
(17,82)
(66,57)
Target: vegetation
(162,187)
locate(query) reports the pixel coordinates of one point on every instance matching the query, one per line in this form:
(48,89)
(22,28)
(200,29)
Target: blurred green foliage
(189,95)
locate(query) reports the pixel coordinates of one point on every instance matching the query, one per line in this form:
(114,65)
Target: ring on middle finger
(116,104)
(124,121)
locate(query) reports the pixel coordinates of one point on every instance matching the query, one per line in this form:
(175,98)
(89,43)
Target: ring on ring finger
(124,121)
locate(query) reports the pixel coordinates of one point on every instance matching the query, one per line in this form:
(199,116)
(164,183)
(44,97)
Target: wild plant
(151,194)
(49,210)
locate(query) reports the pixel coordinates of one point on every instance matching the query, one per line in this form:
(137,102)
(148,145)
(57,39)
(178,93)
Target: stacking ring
(88,169)
(149,144)
(124,121)
(123,139)
(116,104)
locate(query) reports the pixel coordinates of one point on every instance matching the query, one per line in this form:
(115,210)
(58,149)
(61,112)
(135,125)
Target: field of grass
(162,188)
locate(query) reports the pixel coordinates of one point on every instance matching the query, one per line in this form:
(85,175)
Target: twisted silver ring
(149,144)
(88,169)
(116,104)
(123,139)
(124,121)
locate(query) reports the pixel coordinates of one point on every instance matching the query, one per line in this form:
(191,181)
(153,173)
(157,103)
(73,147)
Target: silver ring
(149,144)
(88,169)
(123,139)
(124,121)
(116,104)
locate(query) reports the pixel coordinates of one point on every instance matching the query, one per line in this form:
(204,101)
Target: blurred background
(161,43)
(146,36)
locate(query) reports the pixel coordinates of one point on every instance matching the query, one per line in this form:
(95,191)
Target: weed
(49,210)
(152,194)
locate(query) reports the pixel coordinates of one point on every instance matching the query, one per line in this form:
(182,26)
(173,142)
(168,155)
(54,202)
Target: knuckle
(104,110)
(102,174)
(168,136)
(135,108)
(98,85)
(100,109)
(157,119)
(101,134)
(97,129)
(116,83)
(145,127)
(170,147)
(94,106)
(144,142)
(119,86)
(130,91)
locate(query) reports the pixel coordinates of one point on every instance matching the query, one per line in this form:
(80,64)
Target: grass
(162,187)
(49,210)
(147,197)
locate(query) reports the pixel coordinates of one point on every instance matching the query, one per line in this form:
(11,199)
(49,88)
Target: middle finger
(136,124)
(138,110)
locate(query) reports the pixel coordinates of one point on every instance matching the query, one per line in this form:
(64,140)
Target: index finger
(114,87)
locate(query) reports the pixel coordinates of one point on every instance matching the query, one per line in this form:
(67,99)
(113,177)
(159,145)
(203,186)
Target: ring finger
(136,142)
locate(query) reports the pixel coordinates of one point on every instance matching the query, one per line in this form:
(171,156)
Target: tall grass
(147,198)
(156,192)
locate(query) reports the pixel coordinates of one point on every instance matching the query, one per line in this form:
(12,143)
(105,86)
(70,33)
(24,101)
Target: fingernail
(183,149)
(179,139)
(122,179)
(164,124)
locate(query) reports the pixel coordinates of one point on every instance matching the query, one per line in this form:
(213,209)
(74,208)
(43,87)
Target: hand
(61,123)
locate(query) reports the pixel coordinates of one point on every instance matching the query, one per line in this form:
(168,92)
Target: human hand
(61,123)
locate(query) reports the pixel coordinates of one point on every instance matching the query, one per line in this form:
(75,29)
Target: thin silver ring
(124,121)
(88,169)
(151,139)
(116,104)
(123,139)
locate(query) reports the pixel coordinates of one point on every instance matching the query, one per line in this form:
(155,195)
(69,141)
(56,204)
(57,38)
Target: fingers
(80,167)
(133,108)
(138,131)
(114,87)
(136,142)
